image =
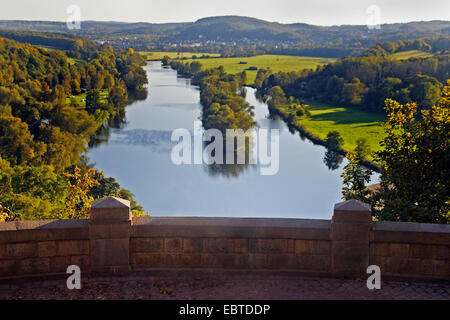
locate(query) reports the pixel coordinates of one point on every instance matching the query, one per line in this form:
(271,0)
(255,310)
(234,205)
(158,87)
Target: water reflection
(230,171)
(333,160)
(155,140)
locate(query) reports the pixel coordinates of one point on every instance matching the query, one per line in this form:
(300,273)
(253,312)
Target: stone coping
(234,222)
(46,230)
(44,224)
(410,232)
(411,227)
(314,229)
(231,227)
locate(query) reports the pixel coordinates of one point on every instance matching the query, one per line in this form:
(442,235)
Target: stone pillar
(350,237)
(109,234)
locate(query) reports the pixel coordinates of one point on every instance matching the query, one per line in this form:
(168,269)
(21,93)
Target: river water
(139,157)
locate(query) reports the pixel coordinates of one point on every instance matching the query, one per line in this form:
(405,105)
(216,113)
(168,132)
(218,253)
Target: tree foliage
(43,133)
(416,163)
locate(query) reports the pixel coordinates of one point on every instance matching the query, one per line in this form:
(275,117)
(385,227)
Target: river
(139,157)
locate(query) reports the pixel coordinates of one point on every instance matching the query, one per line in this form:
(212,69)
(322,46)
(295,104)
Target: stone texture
(47,249)
(173,245)
(60,264)
(192,245)
(421,251)
(77,247)
(8,268)
(111,209)
(148,260)
(312,247)
(441,253)
(350,231)
(34,266)
(2,251)
(350,258)
(350,235)
(399,250)
(21,250)
(314,262)
(110,252)
(109,230)
(353,211)
(82,261)
(269,245)
(147,245)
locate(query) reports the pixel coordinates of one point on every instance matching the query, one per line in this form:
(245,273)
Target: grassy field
(404,55)
(174,55)
(81,98)
(350,123)
(275,63)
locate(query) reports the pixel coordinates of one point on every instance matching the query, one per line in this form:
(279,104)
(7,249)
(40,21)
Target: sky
(318,12)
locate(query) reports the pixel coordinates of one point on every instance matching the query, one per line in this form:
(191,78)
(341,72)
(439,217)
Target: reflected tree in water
(332,159)
(232,170)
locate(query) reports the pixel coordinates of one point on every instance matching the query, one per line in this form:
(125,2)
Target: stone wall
(111,241)
(283,244)
(411,249)
(43,247)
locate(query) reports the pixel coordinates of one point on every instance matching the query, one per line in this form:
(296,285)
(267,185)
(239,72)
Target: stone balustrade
(111,241)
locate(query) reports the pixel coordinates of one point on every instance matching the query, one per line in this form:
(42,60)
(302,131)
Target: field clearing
(81,98)
(275,63)
(404,55)
(158,55)
(72,61)
(351,125)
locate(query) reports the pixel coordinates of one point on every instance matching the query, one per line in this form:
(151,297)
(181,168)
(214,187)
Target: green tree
(334,141)
(93,101)
(415,163)
(362,149)
(355,178)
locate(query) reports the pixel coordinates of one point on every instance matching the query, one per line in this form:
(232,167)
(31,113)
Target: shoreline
(303,132)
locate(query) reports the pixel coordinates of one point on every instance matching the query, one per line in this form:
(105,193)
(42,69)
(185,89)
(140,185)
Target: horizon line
(224,16)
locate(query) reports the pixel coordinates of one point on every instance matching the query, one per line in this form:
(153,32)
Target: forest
(44,129)
(365,82)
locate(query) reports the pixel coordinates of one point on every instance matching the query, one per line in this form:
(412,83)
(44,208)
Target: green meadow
(350,123)
(275,63)
(404,55)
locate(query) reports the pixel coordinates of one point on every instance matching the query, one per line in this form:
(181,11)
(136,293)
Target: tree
(352,93)
(118,97)
(79,200)
(362,149)
(196,67)
(415,163)
(355,178)
(93,101)
(334,140)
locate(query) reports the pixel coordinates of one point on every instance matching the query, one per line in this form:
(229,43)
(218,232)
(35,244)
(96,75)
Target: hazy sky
(320,12)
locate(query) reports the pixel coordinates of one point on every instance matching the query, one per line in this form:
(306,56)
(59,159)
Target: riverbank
(316,139)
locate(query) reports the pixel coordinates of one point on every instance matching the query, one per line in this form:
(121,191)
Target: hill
(268,37)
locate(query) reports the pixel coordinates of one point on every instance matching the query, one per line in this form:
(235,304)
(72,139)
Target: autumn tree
(415,163)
